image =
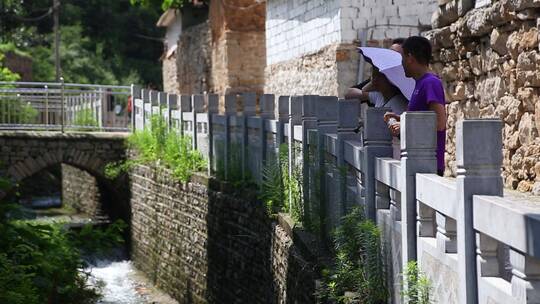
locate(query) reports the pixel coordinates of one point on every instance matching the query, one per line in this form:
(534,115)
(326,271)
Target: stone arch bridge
(86,154)
(24,153)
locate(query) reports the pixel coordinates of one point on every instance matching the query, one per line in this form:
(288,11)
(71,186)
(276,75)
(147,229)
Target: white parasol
(389,63)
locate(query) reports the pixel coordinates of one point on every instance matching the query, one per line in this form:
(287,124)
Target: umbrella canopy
(389,63)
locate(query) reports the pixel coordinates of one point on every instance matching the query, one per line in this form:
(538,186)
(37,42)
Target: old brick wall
(202,245)
(238,46)
(489,61)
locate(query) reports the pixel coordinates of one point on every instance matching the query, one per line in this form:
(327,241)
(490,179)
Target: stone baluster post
(487,261)
(249,103)
(268,106)
(479,160)
(135,94)
(418,145)
(212,102)
(162,106)
(382,196)
(446,233)
(283,117)
(347,121)
(230,110)
(198,107)
(326,110)
(185,107)
(295,118)
(525,277)
(309,122)
(172,104)
(154,101)
(377,143)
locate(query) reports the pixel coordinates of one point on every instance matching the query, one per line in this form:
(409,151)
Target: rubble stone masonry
(489,62)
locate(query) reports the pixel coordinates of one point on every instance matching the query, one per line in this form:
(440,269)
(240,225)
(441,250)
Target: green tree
(102,41)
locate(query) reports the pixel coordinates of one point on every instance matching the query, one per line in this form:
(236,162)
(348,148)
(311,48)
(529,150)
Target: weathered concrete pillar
(198,106)
(154,101)
(185,107)
(283,117)
(249,109)
(309,122)
(147,108)
(267,105)
(172,105)
(229,110)
(295,119)
(135,95)
(212,108)
(479,161)
(377,143)
(347,122)
(327,114)
(418,146)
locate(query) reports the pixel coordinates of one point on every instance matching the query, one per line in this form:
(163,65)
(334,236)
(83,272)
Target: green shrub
(85,118)
(280,190)
(358,262)
(158,144)
(41,263)
(15,111)
(416,287)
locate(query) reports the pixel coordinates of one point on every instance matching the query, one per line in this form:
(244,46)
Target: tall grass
(358,262)
(157,145)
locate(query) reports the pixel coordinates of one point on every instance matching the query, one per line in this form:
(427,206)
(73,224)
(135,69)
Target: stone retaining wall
(202,245)
(80,191)
(488,59)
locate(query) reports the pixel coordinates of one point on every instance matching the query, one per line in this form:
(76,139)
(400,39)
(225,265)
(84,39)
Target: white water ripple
(119,287)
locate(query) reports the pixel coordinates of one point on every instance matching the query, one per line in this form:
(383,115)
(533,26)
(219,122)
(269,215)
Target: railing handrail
(59,84)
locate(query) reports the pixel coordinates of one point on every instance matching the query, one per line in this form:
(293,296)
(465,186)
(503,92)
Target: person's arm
(368,87)
(354,93)
(440,111)
(389,115)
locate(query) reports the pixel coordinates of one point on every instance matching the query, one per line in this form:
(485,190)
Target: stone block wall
(193,61)
(203,245)
(488,59)
(80,191)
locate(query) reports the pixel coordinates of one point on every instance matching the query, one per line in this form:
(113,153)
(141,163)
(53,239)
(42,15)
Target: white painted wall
(174,31)
(297,27)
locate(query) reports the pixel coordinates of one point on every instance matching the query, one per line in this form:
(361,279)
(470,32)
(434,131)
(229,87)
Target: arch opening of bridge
(82,157)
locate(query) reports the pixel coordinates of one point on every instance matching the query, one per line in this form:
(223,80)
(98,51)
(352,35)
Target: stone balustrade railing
(475,245)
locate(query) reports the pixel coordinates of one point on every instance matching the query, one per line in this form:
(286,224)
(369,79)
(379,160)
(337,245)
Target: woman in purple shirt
(428,93)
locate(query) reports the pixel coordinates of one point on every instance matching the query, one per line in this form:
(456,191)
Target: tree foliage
(102,41)
(164,4)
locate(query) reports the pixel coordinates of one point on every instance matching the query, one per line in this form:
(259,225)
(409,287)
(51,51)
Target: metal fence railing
(64,106)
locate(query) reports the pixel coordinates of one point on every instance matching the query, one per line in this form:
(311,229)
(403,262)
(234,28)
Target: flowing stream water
(116,276)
